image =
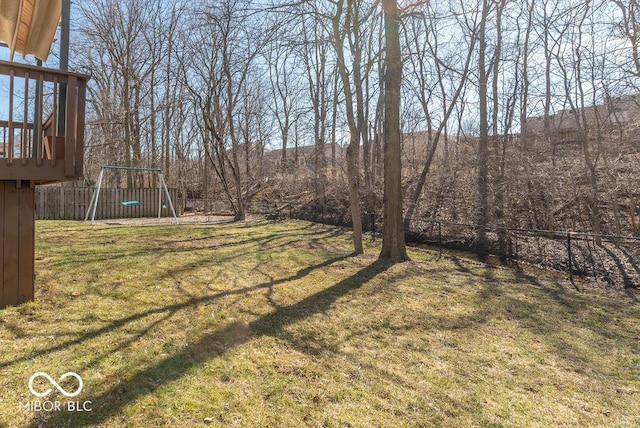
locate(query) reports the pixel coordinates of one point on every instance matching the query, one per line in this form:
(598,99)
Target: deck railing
(42,116)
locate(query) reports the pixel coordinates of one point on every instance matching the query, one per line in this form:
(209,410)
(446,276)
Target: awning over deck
(29,26)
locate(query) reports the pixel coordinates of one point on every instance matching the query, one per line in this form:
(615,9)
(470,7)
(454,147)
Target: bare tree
(215,71)
(393,240)
(630,28)
(124,45)
(342,21)
(482,209)
(454,69)
(571,64)
(319,79)
(284,92)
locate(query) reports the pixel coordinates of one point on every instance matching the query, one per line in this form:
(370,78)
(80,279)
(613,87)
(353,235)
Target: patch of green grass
(275,324)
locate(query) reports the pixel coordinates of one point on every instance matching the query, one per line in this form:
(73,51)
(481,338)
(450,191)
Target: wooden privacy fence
(72,203)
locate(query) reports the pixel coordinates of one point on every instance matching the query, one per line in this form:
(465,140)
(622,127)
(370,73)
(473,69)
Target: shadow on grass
(229,240)
(146,381)
(549,312)
(171,309)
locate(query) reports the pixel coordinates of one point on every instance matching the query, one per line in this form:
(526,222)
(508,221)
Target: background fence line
(614,259)
(72,203)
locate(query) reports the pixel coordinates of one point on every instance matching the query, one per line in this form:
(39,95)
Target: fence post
(290,211)
(373,226)
(439,239)
(569,252)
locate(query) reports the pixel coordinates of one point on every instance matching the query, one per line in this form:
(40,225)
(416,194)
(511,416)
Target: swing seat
(129,203)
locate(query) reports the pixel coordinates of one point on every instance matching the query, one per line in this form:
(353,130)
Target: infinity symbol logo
(55,384)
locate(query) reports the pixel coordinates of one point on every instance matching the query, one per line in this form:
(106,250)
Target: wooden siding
(18,242)
(72,203)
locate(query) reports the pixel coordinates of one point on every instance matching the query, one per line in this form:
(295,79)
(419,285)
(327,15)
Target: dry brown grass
(274,324)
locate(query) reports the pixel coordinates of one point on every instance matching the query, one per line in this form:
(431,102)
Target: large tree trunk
(482,210)
(393,241)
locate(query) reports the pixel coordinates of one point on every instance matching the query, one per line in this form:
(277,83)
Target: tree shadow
(459,266)
(168,246)
(632,261)
(545,322)
(171,309)
(212,345)
(272,323)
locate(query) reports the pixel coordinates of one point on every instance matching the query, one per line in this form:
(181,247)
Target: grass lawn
(274,324)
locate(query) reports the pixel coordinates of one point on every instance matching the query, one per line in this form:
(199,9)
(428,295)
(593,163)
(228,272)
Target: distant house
(302,156)
(618,115)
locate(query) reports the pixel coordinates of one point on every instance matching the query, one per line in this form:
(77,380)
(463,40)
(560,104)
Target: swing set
(93,205)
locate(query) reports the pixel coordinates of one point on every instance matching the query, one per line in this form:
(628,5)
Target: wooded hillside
(513,113)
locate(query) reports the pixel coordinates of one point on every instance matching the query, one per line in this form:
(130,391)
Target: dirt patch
(163,221)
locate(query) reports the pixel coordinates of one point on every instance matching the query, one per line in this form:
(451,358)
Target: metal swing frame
(93,205)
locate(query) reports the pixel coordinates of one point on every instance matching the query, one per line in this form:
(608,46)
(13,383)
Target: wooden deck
(42,135)
(41,141)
